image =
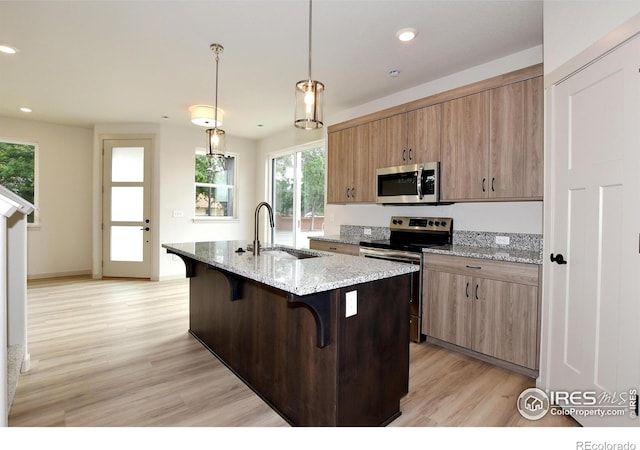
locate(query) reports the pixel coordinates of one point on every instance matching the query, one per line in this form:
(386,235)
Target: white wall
(515,217)
(61,244)
(572,26)
(177,192)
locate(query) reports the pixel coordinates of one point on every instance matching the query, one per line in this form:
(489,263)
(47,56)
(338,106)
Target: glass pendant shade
(216,142)
(309,104)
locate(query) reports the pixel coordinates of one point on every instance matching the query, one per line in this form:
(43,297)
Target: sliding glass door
(297,187)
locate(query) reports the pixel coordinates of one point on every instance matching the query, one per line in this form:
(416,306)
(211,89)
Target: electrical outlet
(351,307)
(502,240)
(367,231)
(177,213)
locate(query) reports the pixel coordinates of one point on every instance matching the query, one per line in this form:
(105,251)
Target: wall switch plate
(367,231)
(502,240)
(351,308)
(177,213)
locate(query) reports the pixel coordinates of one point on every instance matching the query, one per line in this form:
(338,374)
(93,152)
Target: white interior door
(126,218)
(593,221)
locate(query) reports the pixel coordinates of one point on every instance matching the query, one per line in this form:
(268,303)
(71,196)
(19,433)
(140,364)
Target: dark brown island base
(301,353)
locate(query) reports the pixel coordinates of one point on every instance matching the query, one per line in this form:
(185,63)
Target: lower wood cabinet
(485,306)
(335,247)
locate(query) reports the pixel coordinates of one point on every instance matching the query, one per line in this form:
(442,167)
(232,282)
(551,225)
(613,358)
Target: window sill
(33,227)
(209,219)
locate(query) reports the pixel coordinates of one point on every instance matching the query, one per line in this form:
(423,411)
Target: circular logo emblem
(533,404)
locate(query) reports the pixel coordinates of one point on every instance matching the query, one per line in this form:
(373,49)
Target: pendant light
(216,135)
(308,114)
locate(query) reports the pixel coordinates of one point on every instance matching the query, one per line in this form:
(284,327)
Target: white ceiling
(87,62)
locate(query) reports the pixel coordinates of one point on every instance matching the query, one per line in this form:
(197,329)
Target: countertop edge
(399,269)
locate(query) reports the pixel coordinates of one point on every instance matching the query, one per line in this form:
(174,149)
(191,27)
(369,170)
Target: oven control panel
(400,223)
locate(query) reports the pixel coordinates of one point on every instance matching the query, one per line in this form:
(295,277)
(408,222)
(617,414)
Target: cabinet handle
(404,154)
(353,192)
(333,248)
(483,181)
(348,196)
(466,290)
(473,267)
(477,292)
(492,181)
(410,157)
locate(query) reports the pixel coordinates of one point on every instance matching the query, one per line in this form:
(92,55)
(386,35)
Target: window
(297,194)
(215,186)
(18,170)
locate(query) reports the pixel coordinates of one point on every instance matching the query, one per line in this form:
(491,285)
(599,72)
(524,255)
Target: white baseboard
(41,276)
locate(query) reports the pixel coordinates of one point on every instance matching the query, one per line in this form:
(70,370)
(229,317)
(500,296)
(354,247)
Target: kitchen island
(322,338)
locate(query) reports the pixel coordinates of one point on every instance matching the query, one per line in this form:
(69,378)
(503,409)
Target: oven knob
(395,222)
(437,223)
(443,223)
(399,222)
(431,223)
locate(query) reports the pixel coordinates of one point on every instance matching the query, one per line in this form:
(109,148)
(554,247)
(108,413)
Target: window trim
(36,176)
(226,219)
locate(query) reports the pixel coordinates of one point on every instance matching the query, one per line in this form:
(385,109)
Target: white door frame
(604,46)
(98,170)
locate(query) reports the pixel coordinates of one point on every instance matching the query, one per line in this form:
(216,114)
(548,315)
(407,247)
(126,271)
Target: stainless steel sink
(287,253)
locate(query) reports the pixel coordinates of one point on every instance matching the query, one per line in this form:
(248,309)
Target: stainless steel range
(409,235)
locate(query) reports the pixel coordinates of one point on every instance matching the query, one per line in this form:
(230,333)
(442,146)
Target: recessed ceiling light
(394,73)
(25,110)
(7,49)
(260,125)
(406,34)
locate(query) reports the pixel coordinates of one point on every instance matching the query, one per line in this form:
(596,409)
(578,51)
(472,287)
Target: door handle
(145,228)
(559,259)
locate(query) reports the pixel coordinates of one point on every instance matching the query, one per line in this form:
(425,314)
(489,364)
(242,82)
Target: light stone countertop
(469,251)
(492,253)
(326,272)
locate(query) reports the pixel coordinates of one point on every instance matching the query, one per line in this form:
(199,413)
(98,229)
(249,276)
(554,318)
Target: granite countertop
(339,239)
(469,251)
(306,276)
(492,253)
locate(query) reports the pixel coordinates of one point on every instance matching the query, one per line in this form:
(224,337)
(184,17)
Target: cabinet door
(339,155)
(423,134)
(505,321)
(363,165)
(393,146)
(533,136)
(465,148)
(516,140)
(448,307)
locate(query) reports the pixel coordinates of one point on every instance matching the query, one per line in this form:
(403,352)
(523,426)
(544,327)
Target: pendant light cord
(215,124)
(310,7)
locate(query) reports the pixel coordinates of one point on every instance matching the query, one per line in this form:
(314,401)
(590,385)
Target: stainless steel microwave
(415,183)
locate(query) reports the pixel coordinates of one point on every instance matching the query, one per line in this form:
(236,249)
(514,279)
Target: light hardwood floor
(118,353)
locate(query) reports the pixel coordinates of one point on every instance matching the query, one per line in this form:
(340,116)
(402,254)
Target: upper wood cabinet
(410,138)
(492,144)
(351,165)
(488,137)
(516,136)
(465,148)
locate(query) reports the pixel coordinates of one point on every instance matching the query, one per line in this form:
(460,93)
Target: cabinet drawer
(336,247)
(484,268)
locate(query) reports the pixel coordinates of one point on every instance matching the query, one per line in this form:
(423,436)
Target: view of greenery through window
(215,183)
(309,184)
(17,170)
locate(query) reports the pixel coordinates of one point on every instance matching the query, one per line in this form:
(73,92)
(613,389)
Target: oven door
(415,315)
